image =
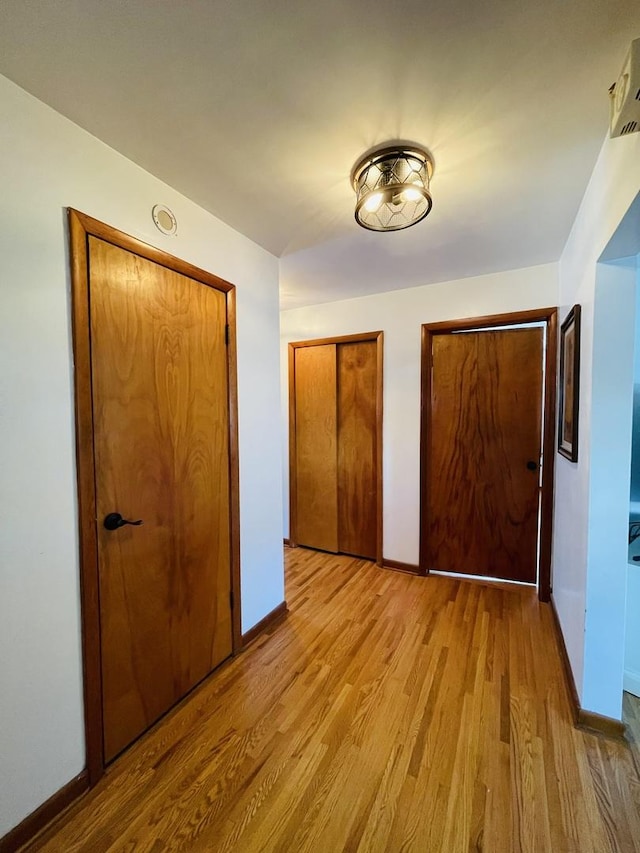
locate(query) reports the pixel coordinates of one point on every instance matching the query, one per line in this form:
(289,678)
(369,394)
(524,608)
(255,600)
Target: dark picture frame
(569,392)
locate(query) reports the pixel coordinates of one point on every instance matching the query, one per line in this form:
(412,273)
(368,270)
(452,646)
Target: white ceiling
(259,110)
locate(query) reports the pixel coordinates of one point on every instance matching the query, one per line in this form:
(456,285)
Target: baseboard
(411,568)
(67,795)
(44,814)
(601,725)
(268,623)
(631,682)
(572,690)
(587,720)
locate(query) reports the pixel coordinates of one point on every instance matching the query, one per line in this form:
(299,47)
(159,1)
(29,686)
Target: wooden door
(316,439)
(484,446)
(161,443)
(335,406)
(357,458)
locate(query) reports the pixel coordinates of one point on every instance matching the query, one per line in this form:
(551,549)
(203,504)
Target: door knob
(114,520)
(531,465)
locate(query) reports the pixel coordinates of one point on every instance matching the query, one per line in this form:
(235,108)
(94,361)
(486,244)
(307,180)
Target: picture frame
(569,392)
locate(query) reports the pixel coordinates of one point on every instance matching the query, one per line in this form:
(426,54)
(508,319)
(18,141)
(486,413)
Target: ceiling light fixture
(392,188)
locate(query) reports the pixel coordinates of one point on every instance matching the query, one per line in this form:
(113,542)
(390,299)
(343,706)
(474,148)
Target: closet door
(316,437)
(335,411)
(357,458)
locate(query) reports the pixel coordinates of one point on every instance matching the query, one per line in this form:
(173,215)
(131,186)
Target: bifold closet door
(316,447)
(336,447)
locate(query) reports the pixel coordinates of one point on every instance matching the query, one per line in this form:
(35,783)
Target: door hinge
(226,335)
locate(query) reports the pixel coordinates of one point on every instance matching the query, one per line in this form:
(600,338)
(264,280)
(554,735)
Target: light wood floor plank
(388,712)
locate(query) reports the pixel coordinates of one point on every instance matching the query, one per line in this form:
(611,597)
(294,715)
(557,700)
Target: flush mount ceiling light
(392,188)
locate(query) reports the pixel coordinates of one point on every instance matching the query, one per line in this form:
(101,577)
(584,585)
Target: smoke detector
(625,95)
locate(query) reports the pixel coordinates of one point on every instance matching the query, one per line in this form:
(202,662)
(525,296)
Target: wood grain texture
(379,455)
(485,426)
(357,449)
(316,447)
(548,316)
(352,423)
(387,713)
(487,321)
(85,464)
(548,456)
(340,339)
(293,441)
(89,225)
(161,425)
(234,470)
(80,227)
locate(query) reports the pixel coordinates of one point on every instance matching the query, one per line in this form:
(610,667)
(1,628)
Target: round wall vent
(164,220)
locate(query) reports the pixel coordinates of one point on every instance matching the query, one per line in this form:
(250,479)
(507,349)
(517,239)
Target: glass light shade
(392,188)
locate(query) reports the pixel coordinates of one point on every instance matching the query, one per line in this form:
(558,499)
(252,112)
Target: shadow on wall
(632,632)
(634,490)
(635,450)
(634,493)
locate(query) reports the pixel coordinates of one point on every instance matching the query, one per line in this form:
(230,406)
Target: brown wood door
(316,447)
(335,436)
(484,444)
(357,474)
(161,436)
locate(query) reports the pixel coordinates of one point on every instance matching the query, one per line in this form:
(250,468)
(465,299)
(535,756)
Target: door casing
(377,337)
(81,227)
(549,317)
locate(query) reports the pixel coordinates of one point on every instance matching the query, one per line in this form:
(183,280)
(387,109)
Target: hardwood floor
(388,712)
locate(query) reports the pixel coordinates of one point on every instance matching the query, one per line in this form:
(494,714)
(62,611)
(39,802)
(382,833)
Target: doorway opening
(631,682)
(611,603)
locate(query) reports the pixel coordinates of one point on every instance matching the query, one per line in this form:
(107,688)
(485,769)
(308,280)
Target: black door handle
(531,465)
(114,520)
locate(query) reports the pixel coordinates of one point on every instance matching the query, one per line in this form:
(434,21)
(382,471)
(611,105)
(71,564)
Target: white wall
(400,315)
(610,475)
(48,164)
(589,572)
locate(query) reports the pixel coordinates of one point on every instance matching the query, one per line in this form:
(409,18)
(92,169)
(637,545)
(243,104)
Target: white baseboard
(631,682)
